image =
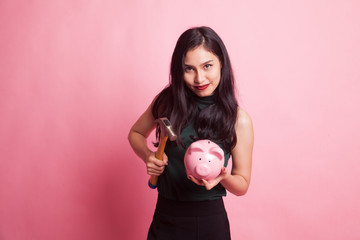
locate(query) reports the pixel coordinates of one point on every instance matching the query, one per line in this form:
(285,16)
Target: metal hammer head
(166,128)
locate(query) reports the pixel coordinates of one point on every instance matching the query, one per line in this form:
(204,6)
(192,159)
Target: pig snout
(202,170)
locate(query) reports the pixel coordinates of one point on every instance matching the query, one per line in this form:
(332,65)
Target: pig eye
(208,142)
(199,158)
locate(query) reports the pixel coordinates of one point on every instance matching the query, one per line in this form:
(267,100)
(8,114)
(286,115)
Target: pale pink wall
(74,76)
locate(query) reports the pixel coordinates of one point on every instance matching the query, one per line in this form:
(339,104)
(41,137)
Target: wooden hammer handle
(159,155)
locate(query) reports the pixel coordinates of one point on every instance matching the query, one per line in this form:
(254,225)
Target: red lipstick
(203,87)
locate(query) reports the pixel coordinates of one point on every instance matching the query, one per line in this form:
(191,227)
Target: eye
(199,158)
(207,66)
(188,69)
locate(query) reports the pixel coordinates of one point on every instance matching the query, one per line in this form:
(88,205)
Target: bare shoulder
(243,120)
(245,136)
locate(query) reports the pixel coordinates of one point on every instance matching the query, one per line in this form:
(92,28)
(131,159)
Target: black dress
(184,210)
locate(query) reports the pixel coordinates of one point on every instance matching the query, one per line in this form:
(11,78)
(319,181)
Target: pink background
(75,75)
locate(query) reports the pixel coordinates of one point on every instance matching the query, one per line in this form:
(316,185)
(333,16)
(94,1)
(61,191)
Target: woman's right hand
(155,166)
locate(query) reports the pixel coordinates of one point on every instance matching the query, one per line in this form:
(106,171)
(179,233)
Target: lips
(203,87)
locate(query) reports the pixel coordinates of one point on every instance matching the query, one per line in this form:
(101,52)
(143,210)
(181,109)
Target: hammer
(166,133)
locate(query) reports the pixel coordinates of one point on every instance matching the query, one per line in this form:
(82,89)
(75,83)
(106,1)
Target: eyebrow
(204,63)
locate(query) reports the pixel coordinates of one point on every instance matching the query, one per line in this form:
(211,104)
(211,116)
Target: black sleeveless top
(173,183)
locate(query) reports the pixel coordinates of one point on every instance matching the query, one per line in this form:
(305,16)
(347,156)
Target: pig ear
(196,147)
(217,152)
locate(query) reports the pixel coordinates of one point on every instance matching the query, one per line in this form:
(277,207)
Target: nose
(200,77)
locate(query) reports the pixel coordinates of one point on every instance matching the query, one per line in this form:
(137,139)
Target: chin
(206,93)
(200,94)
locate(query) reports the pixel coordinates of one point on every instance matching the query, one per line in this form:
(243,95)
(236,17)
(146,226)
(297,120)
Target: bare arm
(138,134)
(238,181)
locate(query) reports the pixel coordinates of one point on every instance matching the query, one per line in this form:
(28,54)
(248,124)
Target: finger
(153,169)
(154,172)
(195,180)
(160,163)
(208,185)
(155,165)
(165,159)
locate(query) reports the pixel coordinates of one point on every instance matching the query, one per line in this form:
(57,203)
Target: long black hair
(177,101)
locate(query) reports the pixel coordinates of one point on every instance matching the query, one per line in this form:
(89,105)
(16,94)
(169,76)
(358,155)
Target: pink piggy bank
(204,160)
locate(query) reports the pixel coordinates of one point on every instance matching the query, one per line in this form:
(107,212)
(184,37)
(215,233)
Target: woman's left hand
(210,185)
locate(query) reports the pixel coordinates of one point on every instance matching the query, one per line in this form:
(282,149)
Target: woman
(200,103)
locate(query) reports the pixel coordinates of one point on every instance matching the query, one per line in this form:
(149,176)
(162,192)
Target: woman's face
(202,71)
